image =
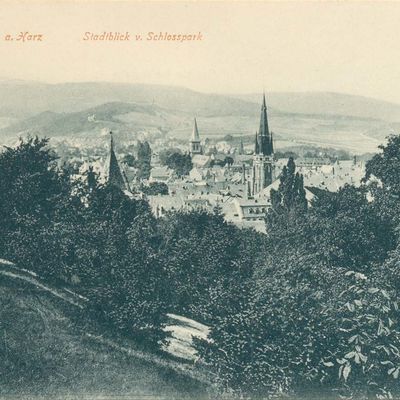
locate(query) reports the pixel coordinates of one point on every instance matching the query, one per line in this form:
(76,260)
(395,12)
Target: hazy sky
(351,47)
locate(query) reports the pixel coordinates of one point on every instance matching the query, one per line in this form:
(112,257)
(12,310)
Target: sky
(342,46)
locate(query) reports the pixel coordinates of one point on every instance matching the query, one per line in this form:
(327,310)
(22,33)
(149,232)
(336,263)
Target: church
(263,170)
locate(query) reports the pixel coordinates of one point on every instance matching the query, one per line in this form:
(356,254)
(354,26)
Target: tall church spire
(115,177)
(264,138)
(195,144)
(195,133)
(263,161)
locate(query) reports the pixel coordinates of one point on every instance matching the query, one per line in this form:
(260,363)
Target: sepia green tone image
(199,200)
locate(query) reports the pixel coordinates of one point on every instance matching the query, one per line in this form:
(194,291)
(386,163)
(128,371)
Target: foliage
(290,197)
(386,165)
(92,238)
(180,163)
(155,188)
(308,310)
(344,229)
(321,333)
(129,159)
(319,317)
(205,257)
(286,154)
(165,154)
(31,188)
(228,161)
(143,160)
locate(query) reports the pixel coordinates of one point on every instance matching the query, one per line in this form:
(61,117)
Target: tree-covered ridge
(310,309)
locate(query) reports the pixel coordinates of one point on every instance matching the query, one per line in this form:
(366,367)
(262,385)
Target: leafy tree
(386,165)
(309,336)
(228,138)
(319,316)
(205,257)
(143,161)
(31,187)
(33,193)
(180,163)
(217,162)
(286,154)
(129,159)
(228,161)
(155,188)
(126,280)
(165,154)
(90,237)
(289,199)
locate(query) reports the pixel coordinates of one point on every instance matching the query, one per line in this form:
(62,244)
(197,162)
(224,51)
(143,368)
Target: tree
(290,198)
(155,188)
(180,163)
(124,277)
(143,162)
(205,258)
(30,184)
(386,165)
(129,159)
(165,154)
(228,161)
(286,154)
(319,315)
(90,237)
(309,336)
(228,138)
(33,193)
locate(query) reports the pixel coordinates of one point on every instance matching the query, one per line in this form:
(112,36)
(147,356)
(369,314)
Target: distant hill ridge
(83,110)
(24,98)
(329,103)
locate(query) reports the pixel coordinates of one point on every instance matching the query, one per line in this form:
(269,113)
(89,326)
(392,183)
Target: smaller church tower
(263,159)
(195,144)
(115,177)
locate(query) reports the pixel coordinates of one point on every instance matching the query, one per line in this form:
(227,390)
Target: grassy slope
(45,349)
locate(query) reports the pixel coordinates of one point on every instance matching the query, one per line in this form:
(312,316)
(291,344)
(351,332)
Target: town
(203,175)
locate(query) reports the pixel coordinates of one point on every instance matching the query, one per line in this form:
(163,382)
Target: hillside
(53,124)
(46,349)
(82,111)
(25,99)
(329,103)
(129,120)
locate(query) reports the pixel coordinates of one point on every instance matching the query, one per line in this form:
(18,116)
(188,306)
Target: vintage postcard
(199,200)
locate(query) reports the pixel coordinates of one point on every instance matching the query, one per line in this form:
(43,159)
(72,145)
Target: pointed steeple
(115,177)
(265,139)
(263,160)
(264,131)
(195,133)
(195,146)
